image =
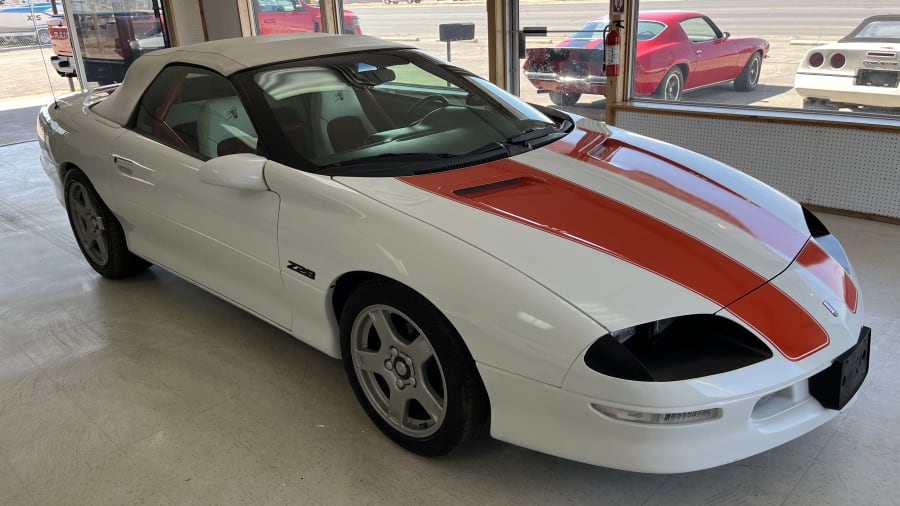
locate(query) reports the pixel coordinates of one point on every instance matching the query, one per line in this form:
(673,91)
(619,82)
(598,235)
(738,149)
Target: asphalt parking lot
(25,77)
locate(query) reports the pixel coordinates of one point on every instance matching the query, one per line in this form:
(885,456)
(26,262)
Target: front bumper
(841,90)
(752,418)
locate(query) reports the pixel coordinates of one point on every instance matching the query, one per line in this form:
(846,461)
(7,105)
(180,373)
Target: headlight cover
(676,349)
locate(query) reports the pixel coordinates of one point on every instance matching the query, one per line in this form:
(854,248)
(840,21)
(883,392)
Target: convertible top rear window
(880,30)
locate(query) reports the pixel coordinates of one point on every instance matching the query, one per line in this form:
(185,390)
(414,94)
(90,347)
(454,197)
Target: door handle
(699,51)
(127,166)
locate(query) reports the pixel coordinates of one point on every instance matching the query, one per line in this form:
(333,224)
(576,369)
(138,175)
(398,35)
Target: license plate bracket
(835,386)
(878,78)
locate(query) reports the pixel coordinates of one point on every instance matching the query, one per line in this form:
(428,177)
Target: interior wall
(833,166)
(222,18)
(187,20)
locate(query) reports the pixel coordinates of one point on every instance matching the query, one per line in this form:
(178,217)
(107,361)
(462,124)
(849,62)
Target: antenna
(37,37)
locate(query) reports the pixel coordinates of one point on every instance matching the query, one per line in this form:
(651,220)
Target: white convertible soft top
(227,57)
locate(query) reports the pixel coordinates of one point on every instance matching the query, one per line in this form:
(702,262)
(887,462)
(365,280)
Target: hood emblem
(830,308)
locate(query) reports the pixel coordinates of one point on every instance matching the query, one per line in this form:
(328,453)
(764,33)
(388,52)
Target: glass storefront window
(413,22)
(111,35)
(821,56)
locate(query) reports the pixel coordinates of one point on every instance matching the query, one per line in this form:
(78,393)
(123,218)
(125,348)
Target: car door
(222,238)
(715,59)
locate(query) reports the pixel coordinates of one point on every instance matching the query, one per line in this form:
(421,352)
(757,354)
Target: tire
(410,369)
(821,104)
(749,76)
(564,98)
(97,231)
(348,30)
(43,37)
(671,86)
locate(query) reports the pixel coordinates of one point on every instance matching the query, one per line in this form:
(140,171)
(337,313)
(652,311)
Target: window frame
(132,124)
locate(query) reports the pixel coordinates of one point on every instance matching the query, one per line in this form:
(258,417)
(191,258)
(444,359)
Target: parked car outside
(677,51)
(860,72)
(478,263)
(297,16)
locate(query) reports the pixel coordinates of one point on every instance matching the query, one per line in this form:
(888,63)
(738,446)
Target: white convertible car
(477,262)
(859,72)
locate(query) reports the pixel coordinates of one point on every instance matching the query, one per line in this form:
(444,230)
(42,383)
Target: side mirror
(726,35)
(243,171)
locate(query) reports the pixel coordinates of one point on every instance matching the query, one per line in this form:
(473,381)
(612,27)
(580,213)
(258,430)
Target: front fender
(506,319)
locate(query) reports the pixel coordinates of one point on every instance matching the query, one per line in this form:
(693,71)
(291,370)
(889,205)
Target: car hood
(625,228)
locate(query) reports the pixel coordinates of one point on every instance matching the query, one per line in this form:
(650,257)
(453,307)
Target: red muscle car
(676,51)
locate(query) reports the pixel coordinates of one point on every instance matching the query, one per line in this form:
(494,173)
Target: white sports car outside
(477,262)
(859,72)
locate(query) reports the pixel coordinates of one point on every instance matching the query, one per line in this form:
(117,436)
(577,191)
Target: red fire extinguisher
(611,49)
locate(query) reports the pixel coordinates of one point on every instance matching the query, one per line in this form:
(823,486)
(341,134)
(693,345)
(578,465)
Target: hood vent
(488,186)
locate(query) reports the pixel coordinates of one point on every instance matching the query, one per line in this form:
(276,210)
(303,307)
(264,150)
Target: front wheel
(671,86)
(410,369)
(749,76)
(98,232)
(564,98)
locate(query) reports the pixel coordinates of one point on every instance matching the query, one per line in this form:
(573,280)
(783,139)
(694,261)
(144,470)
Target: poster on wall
(618,6)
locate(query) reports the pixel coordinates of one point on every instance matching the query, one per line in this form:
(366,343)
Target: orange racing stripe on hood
(690,187)
(523,194)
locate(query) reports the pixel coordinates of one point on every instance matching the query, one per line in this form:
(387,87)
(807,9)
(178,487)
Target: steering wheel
(426,104)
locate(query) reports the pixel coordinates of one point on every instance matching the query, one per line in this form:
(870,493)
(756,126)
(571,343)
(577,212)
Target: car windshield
(594,30)
(392,113)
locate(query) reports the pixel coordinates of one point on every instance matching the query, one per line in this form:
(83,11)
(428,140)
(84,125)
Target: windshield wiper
(386,161)
(388,158)
(488,148)
(532,134)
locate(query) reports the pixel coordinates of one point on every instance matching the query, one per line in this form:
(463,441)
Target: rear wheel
(564,97)
(819,104)
(43,37)
(97,231)
(749,76)
(671,86)
(410,369)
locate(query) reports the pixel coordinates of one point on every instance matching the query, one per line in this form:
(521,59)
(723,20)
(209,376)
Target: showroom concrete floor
(152,391)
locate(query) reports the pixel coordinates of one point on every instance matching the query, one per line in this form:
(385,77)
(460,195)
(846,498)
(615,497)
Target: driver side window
(699,30)
(195,111)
